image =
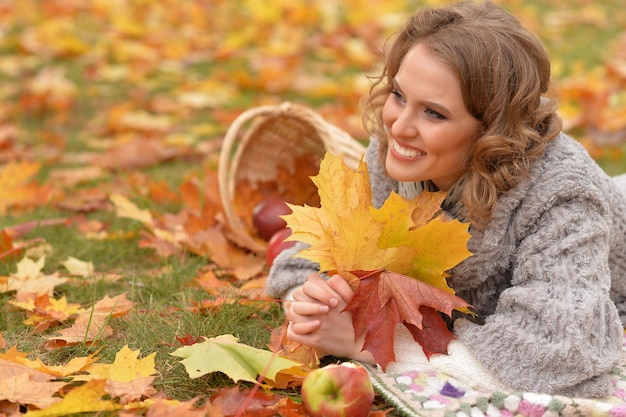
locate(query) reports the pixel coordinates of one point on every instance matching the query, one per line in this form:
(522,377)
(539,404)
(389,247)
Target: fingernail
(324,308)
(333,302)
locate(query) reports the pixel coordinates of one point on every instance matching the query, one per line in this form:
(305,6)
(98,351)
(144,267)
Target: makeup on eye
(434,114)
(398,96)
(429,108)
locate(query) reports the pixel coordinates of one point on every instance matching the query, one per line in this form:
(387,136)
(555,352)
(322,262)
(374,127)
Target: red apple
(338,390)
(277,244)
(266,217)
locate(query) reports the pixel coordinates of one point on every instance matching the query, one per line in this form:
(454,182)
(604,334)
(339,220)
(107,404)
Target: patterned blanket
(435,394)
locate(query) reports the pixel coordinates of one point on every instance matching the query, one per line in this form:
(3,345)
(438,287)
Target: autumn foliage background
(112,114)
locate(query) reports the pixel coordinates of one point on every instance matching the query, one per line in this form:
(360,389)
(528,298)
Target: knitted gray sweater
(545,277)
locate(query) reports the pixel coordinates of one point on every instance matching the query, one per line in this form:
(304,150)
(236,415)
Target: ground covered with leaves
(115,254)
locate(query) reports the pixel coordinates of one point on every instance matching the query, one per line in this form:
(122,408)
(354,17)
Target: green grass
(165,309)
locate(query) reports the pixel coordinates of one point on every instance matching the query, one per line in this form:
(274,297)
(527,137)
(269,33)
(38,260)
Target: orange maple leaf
(167,408)
(44,311)
(8,251)
(19,188)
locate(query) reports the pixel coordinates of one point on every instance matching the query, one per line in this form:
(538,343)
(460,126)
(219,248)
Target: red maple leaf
(384,298)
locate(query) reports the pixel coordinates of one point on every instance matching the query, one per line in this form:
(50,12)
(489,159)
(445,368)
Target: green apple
(338,390)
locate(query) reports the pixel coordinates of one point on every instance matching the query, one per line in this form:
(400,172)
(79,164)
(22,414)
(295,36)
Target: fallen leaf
(19,188)
(23,385)
(250,402)
(236,401)
(75,365)
(82,399)
(8,251)
(238,361)
(30,280)
(91,324)
(44,312)
(77,267)
(131,378)
(165,408)
(187,340)
(128,209)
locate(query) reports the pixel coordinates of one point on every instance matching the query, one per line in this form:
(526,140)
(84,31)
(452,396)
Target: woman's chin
(402,175)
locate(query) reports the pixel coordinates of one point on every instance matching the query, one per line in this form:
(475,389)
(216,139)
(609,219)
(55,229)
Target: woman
(462,105)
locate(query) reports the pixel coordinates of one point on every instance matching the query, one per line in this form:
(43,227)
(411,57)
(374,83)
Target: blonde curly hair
(504,72)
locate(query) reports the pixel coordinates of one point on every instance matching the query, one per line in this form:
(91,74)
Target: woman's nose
(404,125)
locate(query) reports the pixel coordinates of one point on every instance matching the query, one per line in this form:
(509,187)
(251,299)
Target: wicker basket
(265,139)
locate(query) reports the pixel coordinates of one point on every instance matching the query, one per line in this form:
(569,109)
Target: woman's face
(429,130)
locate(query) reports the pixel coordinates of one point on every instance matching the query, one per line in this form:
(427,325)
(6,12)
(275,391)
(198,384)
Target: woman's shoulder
(567,168)
(565,173)
(564,153)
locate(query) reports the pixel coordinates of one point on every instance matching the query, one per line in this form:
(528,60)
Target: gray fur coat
(547,276)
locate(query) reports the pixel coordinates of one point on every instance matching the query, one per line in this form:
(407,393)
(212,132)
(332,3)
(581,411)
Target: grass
(162,288)
(166,309)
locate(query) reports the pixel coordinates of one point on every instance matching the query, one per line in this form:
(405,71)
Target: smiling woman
(418,115)
(462,106)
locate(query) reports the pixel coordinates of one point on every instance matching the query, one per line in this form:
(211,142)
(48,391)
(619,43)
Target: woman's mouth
(405,152)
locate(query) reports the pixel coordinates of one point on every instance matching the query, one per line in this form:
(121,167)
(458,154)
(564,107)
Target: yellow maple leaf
(83,399)
(348,234)
(14,355)
(44,311)
(395,257)
(131,378)
(75,365)
(127,366)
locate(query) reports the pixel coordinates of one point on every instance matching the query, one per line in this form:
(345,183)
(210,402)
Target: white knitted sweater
(547,276)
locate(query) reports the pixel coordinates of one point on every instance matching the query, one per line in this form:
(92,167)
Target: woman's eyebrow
(435,106)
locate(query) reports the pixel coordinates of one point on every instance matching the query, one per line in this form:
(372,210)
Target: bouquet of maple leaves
(395,257)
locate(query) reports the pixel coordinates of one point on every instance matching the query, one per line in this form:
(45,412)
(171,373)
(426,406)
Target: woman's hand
(316,318)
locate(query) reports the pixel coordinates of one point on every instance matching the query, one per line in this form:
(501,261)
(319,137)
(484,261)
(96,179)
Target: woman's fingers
(308,309)
(316,288)
(305,316)
(302,329)
(341,287)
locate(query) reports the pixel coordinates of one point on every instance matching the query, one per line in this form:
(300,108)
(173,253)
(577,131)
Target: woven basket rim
(240,136)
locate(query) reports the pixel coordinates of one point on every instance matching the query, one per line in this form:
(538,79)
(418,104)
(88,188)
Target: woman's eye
(397,96)
(435,115)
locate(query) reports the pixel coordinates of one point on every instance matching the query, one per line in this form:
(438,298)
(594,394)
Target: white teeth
(409,153)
